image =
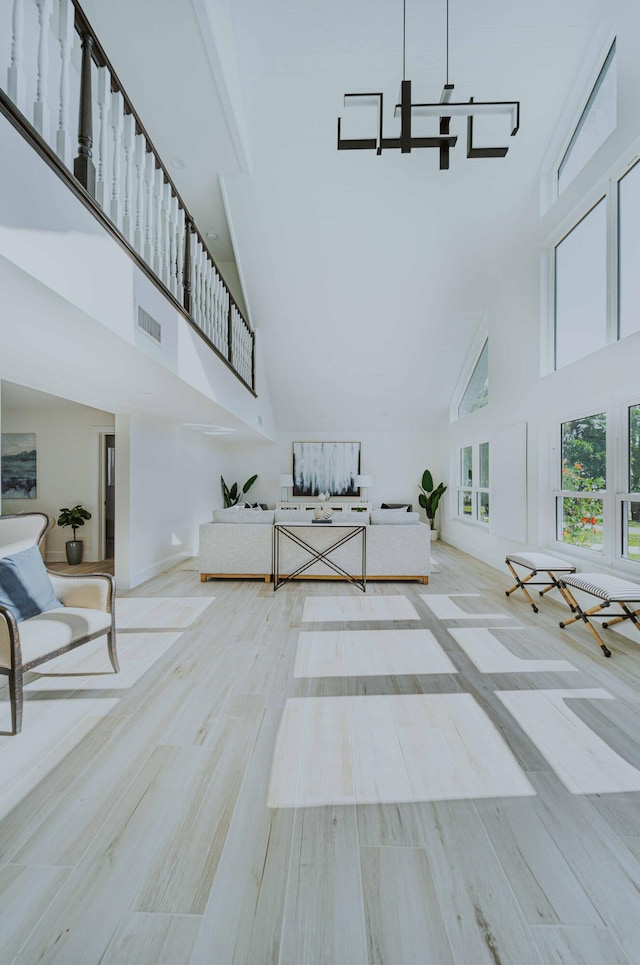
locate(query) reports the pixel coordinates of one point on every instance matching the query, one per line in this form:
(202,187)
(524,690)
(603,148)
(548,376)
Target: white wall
(395,460)
(56,243)
(68,461)
(167,483)
(518,392)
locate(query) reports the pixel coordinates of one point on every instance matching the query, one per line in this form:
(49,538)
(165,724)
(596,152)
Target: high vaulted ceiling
(366,277)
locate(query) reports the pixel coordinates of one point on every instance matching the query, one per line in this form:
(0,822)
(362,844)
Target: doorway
(109,476)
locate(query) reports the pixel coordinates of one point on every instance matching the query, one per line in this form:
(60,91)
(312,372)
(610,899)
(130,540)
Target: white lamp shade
(285,480)
(364,481)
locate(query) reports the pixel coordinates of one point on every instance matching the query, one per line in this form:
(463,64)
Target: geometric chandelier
(445,109)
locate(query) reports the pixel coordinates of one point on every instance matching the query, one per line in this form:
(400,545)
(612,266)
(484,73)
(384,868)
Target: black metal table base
(318,555)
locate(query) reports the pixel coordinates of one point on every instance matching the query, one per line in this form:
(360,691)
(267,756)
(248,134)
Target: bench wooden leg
(580,614)
(520,584)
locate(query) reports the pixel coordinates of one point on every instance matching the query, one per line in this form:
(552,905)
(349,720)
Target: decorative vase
(74,549)
(433,535)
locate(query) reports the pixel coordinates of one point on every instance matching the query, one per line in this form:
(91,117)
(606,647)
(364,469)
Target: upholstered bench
(609,590)
(536,563)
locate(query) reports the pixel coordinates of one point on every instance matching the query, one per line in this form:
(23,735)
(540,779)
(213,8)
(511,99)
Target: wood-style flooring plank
(324,910)
(157,939)
(404,921)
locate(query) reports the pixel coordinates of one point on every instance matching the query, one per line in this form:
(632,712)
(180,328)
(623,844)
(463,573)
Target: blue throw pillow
(25,587)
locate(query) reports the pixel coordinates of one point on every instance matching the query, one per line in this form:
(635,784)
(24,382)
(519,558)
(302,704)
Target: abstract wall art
(320,467)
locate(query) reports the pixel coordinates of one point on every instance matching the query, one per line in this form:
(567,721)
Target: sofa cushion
(407,506)
(359,518)
(243,516)
(25,587)
(393,517)
(50,631)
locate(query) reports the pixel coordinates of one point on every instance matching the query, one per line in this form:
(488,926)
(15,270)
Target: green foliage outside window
(584,470)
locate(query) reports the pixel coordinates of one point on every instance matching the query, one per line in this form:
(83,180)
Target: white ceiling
(367,277)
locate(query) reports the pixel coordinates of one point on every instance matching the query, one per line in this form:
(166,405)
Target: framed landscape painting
(18,458)
(320,467)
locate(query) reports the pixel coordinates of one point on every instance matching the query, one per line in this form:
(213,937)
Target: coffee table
(289,531)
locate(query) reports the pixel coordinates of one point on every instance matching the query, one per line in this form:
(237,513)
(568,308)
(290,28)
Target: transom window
(597,121)
(476,394)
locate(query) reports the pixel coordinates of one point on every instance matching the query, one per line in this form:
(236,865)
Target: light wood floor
(79,569)
(315,776)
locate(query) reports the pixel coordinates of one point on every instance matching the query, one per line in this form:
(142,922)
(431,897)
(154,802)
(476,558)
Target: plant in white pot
(74,518)
(429,498)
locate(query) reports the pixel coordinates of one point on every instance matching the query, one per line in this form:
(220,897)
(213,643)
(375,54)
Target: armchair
(87,612)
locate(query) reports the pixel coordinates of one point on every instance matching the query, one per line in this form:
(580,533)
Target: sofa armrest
(93,592)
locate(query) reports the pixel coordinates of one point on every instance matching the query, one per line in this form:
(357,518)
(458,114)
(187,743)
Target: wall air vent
(149,325)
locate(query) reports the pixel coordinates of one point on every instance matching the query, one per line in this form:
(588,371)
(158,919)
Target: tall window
(631,500)
(579,512)
(473,486)
(629,252)
(476,394)
(581,288)
(597,121)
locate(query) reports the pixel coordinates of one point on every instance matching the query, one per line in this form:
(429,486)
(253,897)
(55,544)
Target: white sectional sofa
(239,543)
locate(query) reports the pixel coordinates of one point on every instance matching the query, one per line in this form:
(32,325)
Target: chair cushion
(540,561)
(609,588)
(50,631)
(393,517)
(25,587)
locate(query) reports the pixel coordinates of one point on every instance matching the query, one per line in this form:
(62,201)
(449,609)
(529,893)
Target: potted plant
(74,518)
(232,495)
(429,498)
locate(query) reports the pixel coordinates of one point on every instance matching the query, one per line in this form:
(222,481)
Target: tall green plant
(430,496)
(231,496)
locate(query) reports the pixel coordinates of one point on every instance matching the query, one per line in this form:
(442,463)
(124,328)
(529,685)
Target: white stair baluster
(158,184)
(195,278)
(129,139)
(103,192)
(180,233)
(117,122)
(139,192)
(166,234)
(218,320)
(207,304)
(15,72)
(173,251)
(65,143)
(149,177)
(41,112)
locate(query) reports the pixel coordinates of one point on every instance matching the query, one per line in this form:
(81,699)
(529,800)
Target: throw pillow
(407,506)
(25,587)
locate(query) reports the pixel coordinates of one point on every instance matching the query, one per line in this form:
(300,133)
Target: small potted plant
(74,518)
